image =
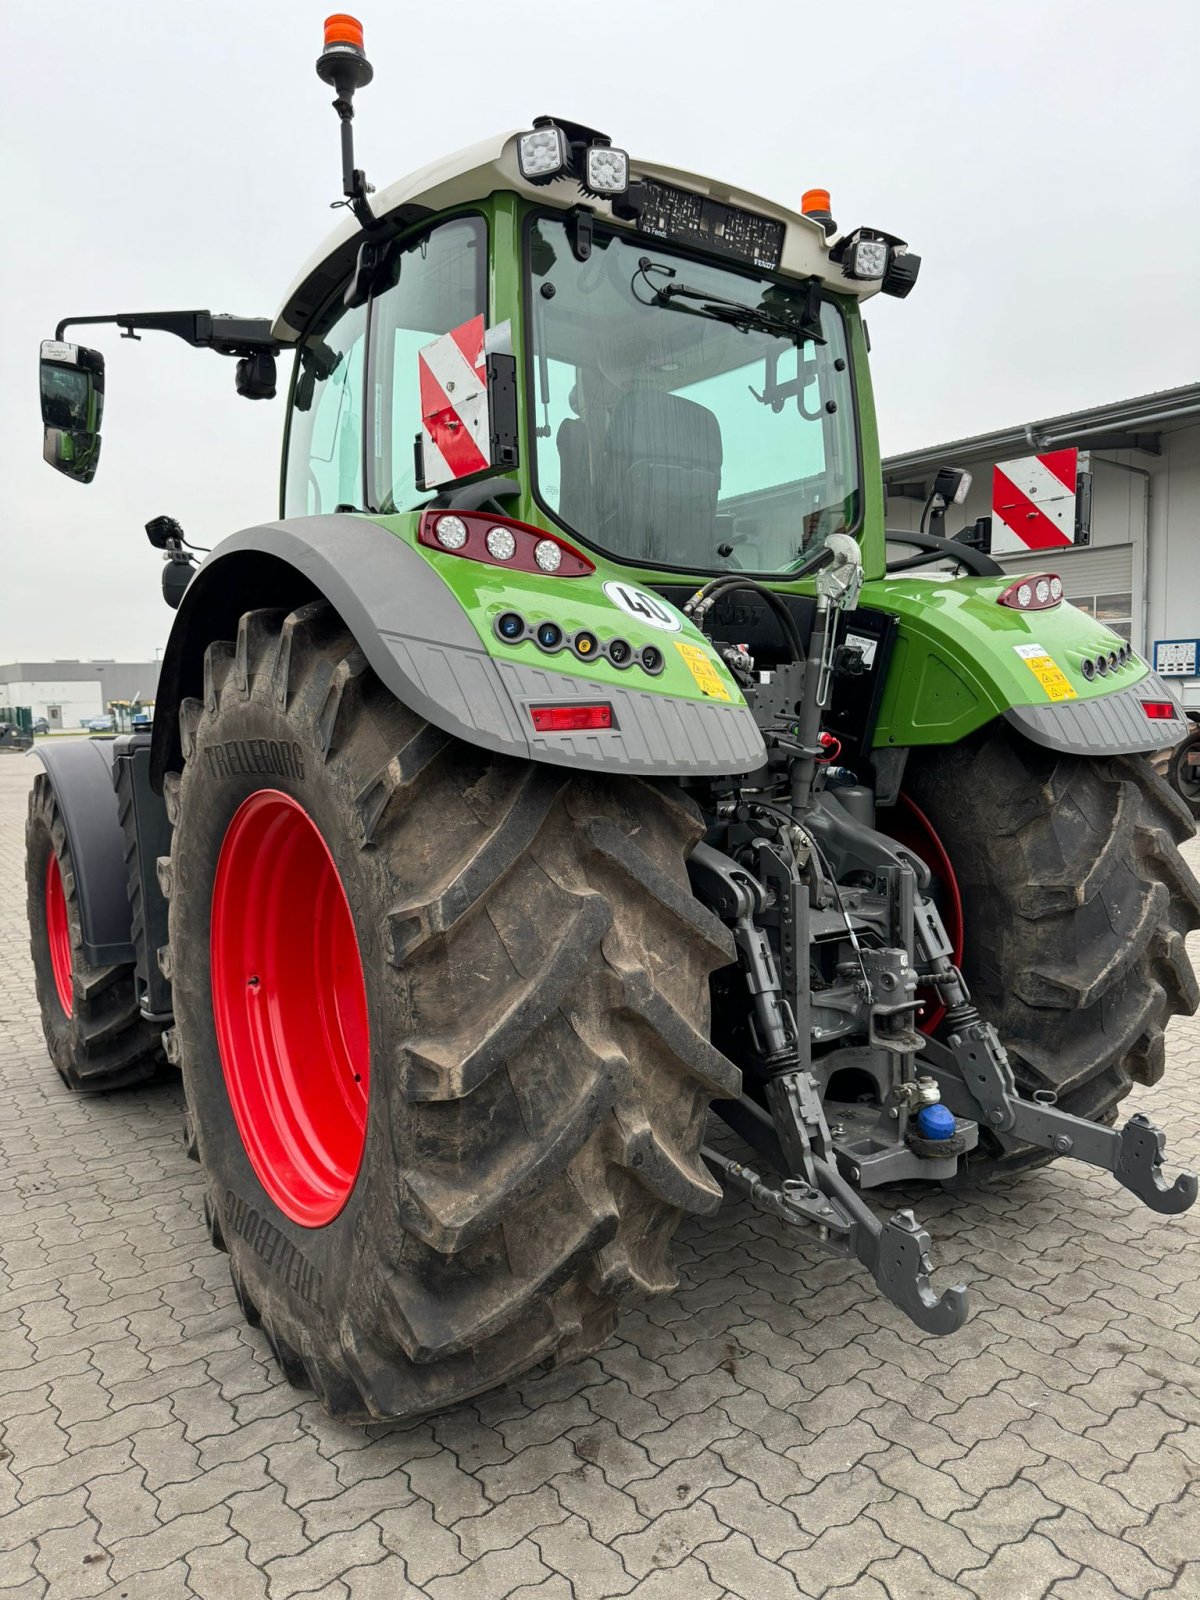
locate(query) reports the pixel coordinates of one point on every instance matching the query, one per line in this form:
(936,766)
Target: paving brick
(326,1559)
(1171,1537)
(592,1569)
(514,1519)
(427,1549)
(773,1530)
(226,1571)
(839,1556)
(73,1561)
(1023,1571)
(945,1545)
(607,1511)
(670,1539)
(494,1576)
(679,1483)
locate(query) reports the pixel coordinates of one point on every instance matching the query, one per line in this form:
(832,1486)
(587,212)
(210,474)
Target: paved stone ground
(772,1430)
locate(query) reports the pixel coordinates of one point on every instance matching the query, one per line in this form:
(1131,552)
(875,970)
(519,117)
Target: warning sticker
(1047,671)
(701,668)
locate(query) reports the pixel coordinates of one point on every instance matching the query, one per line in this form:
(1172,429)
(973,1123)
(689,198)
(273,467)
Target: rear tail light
(502,543)
(1160,710)
(1036,593)
(571,719)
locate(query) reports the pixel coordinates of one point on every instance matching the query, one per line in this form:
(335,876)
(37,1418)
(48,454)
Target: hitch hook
(898,1255)
(1138,1168)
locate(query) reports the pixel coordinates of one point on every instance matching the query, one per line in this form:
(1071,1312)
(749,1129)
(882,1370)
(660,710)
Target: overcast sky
(1041,155)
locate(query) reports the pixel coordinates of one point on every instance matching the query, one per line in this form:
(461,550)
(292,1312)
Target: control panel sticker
(1176,658)
(1047,671)
(648,608)
(708,679)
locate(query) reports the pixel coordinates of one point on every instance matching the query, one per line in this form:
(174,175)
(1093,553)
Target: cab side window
(325,440)
(434,284)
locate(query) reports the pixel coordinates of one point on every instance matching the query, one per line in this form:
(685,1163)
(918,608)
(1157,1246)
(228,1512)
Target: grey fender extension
(1110,725)
(422,645)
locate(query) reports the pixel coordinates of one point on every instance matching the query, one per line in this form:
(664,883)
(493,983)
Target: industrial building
(1132,555)
(67,693)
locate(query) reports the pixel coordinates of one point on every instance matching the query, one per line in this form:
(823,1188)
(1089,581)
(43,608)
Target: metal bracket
(737,898)
(896,1253)
(1133,1153)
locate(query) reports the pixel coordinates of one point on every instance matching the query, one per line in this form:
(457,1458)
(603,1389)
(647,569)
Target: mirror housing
(72,398)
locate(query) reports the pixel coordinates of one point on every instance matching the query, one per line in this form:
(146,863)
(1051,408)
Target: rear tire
(95,1032)
(1076,903)
(536,976)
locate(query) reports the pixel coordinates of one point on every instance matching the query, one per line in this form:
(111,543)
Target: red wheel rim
(290,1007)
(58,934)
(912,828)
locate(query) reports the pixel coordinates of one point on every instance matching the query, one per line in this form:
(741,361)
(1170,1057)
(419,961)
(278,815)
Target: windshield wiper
(733,312)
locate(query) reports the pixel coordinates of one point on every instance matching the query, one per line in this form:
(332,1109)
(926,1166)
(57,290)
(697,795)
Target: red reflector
(1160,710)
(570,719)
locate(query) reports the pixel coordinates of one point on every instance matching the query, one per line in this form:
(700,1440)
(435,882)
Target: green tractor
(578,753)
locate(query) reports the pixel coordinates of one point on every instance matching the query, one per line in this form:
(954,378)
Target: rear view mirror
(72,391)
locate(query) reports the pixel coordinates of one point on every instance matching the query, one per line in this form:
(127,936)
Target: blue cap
(935,1122)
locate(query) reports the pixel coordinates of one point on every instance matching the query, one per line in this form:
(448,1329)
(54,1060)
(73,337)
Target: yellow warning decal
(1047,671)
(701,668)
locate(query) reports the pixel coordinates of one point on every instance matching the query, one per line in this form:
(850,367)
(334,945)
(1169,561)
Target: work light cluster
(512,628)
(1038,592)
(502,543)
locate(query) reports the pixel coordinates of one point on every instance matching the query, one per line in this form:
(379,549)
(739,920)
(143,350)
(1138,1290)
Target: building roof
(1122,420)
(71,671)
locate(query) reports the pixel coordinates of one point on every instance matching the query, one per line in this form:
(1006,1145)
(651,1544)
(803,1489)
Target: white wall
(78,700)
(1173,572)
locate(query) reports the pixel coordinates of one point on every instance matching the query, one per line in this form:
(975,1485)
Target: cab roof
(489,167)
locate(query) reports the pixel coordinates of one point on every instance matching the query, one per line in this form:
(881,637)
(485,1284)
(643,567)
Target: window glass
(324,461)
(434,284)
(674,422)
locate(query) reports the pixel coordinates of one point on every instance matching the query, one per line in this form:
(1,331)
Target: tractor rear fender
(961,660)
(423,646)
(81,771)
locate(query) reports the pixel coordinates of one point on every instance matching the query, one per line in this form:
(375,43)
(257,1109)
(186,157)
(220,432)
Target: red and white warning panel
(1033,502)
(455,426)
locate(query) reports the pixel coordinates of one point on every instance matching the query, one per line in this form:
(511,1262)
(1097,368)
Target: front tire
(1076,903)
(535,981)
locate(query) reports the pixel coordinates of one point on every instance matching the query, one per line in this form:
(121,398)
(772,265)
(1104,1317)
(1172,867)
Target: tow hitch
(896,1253)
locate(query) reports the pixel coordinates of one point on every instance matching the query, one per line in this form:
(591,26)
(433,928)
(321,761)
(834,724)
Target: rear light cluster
(1035,593)
(512,628)
(502,543)
(1160,710)
(1101,665)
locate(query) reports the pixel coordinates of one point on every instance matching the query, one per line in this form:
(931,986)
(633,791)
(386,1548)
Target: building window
(1115,611)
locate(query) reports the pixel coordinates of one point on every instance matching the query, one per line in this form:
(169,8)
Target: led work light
(606,171)
(542,154)
(865,258)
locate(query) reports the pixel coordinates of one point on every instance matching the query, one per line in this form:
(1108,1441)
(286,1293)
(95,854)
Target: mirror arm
(229,336)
